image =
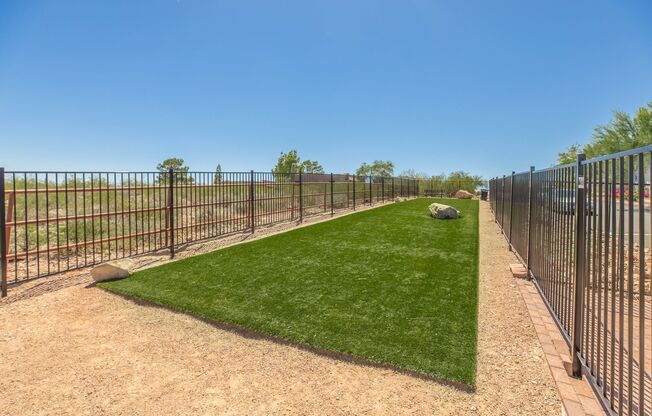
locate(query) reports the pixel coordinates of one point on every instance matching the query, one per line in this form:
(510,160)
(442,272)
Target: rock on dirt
(462,194)
(443,212)
(109,271)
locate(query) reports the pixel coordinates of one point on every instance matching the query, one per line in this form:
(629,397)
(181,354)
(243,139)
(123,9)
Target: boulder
(462,194)
(400,199)
(518,270)
(108,271)
(443,212)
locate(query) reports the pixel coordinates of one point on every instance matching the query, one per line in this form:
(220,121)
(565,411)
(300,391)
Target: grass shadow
(256,335)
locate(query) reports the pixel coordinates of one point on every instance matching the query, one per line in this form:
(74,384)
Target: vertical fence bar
(332,209)
(382,188)
(252,217)
(354,192)
(300,196)
(171,210)
(371,198)
(511,209)
(529,222)
(393,195)
(641,283)
(578,286)
(3,237)
(502,204)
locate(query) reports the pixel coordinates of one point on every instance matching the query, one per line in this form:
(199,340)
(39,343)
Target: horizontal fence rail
(52,222)
(584,231)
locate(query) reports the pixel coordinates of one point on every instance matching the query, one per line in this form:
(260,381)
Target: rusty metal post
(252,217)
(332,208)
(300,195)
(3,237)
(171,209)
(529,221)
(579,281)
(511,210)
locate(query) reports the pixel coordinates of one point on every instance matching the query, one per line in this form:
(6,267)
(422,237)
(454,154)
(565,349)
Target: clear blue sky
(483,86)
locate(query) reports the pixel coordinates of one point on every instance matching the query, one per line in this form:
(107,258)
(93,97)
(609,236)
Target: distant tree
(465,180)
(363,170)
(175,164)
(311,166)
(413,174)
(377,169)
(217,178)
(569,155)
(623,132)
(290,162)
(447,184)
(287,163)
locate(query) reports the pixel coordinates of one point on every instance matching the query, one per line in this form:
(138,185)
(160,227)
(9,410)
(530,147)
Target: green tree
(311,166)
(363,170)
(176,164)
(287,163)
(569,155)
(290,162)
(217,178)
(466,181)
(377,168)
(623,132)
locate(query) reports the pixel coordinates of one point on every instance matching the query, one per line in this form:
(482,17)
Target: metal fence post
(354,192)
(502,206)
(393,194)
(300,195)
(3,236)
(382,188)
(511,210)
(371,198)
(579,281)
(171,209)
(529,221)
(252,217)
(332,212)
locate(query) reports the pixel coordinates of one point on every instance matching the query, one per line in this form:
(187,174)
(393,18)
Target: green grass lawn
(390,285)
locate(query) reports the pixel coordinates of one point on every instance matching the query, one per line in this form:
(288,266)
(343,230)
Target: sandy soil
(79,350)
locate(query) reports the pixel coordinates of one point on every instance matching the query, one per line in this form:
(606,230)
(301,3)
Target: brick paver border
(577,395)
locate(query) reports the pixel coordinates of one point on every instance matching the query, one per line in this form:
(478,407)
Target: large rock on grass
(108,271)
(462,194)
(443,212)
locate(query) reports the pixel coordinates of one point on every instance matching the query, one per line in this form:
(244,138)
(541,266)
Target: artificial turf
(390,285)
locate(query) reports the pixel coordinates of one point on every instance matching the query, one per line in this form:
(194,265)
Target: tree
(176,164)
(445,184)
(287,162)
(217,178)
(622,133)
(569,155)
(465,181)
(311,166)
(377,168)
(363,170)
(290,162)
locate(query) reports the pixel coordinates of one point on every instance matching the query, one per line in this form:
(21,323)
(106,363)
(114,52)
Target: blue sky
(436,86)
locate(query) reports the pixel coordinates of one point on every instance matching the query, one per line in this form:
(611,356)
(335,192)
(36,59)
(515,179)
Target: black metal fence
(583,230)
(51,222)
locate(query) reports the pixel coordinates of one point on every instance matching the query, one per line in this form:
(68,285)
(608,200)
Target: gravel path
(79,350)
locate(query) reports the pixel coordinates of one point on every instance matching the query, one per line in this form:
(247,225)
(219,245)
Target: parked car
(564,201)
(646,193)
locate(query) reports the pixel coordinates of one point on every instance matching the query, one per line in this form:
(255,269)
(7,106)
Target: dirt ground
(75,349)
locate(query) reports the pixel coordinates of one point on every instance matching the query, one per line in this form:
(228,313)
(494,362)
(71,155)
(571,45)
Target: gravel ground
(75,349)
